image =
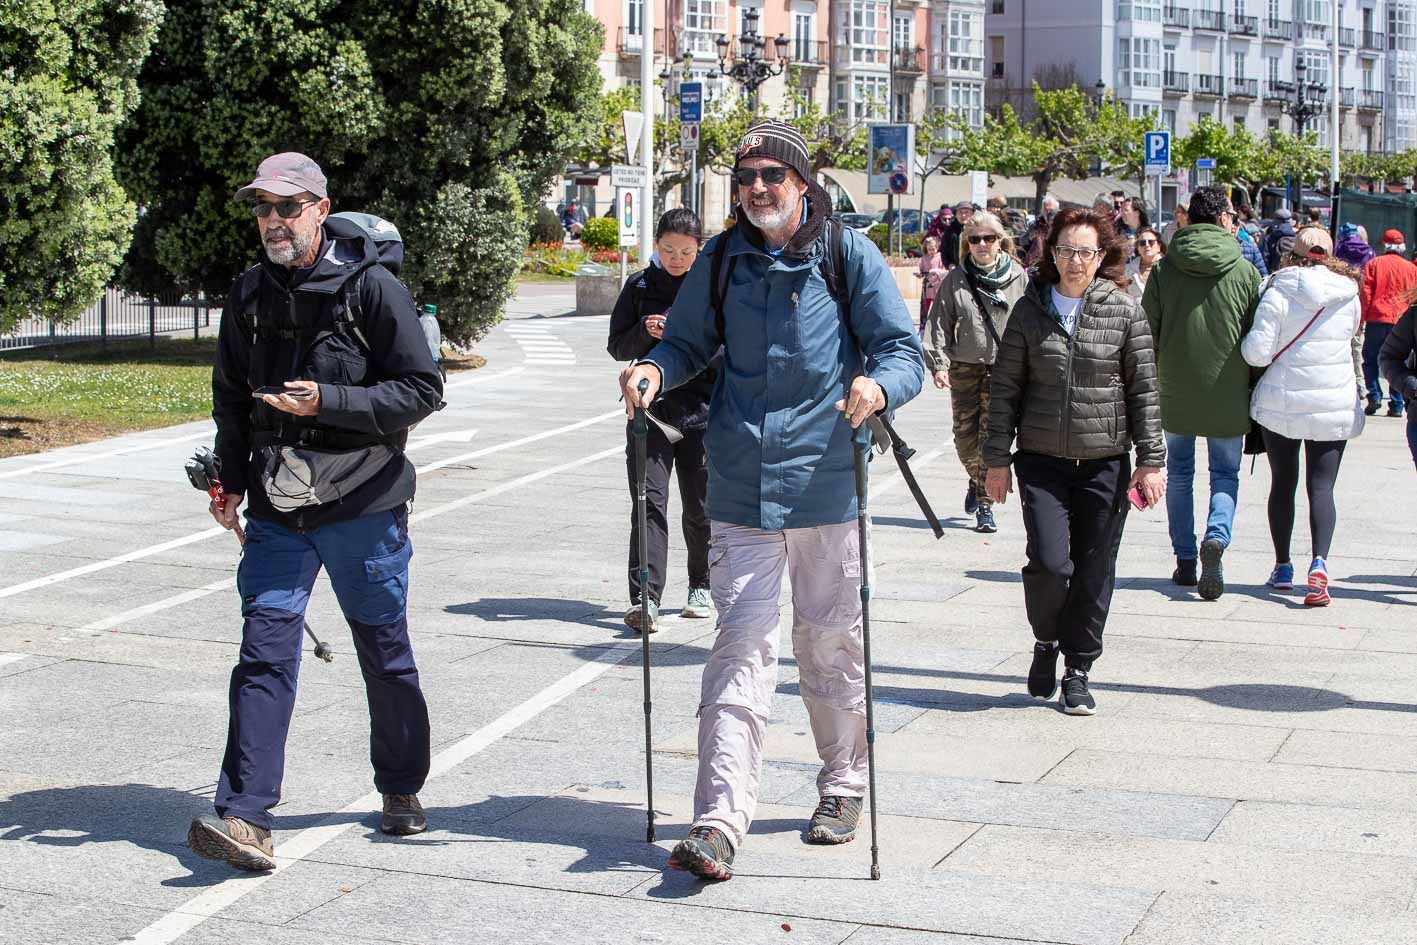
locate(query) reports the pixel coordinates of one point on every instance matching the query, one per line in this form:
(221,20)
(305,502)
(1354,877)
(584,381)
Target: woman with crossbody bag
(1308,397)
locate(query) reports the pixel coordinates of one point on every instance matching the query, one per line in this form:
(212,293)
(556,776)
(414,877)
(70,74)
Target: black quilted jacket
(1086,397)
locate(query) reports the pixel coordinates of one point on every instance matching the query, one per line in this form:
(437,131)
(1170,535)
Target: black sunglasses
(978,238)
(286,209)
(771,175)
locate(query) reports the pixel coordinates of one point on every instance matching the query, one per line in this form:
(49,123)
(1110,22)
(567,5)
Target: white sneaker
(700,603)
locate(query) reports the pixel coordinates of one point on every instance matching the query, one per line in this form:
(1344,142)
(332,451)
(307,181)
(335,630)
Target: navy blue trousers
(367,561)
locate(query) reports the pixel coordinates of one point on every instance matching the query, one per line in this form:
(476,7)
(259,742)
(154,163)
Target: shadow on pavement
(896,521)
(511,609)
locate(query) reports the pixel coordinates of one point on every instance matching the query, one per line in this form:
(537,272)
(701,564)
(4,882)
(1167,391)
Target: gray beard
(765,218)
(298,247)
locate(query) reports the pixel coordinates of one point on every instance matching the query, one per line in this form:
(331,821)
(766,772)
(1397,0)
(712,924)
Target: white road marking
(211,902)
(78,460)
(478,378)
(167,603)
(454,436)
(7,658)
(141,553)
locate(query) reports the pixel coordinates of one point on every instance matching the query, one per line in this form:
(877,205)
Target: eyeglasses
(286,209)
(771,175)
(1147,242)
(1085,253)
(978,238)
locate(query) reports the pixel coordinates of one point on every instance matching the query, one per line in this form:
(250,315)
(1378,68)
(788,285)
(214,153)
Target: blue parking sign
(1156,146)
(691,101)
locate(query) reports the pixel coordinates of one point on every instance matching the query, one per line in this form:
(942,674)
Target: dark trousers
(1074,513)
(687,460)
(1374,334)
(367,560)
(1321,462)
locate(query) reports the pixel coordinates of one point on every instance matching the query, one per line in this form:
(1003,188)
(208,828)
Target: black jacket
(1091,395)
(949,243)
(651,291)
(1278,241)
(1399,355)
(365,396)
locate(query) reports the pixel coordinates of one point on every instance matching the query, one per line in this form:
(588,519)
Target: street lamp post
(1306,102)
(749,68)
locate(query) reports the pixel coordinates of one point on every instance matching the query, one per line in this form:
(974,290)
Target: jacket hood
(1313,287)
(803,244)
(347,249)
(1204,250)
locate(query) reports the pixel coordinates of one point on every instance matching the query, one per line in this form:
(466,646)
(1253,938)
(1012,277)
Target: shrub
(880,235)
(600,233)
(546,226)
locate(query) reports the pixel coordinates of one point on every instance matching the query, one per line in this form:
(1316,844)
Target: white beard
(767,218)
(295,249)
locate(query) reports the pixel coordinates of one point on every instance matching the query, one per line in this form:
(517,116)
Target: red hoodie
(1387,280)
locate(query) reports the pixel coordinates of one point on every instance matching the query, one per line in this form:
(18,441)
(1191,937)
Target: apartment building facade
(1221,58)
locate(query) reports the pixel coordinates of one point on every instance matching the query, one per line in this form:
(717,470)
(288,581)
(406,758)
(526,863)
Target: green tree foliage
(68,75)
(448,117)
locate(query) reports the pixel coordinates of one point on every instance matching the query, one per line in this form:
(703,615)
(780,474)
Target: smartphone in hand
(1137,499)
(275,390)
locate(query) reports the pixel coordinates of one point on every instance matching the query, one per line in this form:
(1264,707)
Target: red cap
(1393,236)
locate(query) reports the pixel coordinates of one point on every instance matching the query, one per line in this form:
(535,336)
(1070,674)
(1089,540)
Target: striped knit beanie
(777,140)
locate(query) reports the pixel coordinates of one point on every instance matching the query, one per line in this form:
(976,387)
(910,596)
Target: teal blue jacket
(780,455)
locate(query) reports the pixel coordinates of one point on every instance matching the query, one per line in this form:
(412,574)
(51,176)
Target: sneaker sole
(634,624)
(402,830)
(696,614)
(1284,586)
(986,529)
(1318,591)
(700,865)
(212,844)
(1212,577)
(1074,709)
(1044,695)
(824,836)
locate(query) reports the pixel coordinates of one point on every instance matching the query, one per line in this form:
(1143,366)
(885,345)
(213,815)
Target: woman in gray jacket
(961,343)
(1075,385)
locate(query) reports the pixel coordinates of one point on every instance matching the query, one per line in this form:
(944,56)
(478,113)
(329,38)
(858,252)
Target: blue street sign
(899,183)
(1157,145)
(691,101)
(1205,164)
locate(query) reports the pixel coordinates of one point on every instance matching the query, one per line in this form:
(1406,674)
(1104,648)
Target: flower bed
(561,259)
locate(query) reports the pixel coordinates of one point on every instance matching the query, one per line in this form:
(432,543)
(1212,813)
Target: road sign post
(1156,147)
(1205,169)
(627,215)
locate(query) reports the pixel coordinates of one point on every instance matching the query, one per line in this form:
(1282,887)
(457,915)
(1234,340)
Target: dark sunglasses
(978,238)
(286,209)
(1146,242)
(770,175)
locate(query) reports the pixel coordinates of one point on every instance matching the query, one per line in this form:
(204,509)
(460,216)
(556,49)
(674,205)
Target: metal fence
(117,315)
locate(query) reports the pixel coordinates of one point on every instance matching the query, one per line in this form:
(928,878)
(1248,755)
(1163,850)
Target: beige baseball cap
(285,175)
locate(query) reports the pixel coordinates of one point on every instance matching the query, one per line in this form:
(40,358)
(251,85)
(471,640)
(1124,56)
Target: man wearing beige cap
(321,369)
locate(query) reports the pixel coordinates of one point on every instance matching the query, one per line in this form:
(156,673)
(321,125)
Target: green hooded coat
(1200,300)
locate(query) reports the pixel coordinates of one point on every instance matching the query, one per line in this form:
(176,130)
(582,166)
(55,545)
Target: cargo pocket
(846,610)
(383,597)
(721,583)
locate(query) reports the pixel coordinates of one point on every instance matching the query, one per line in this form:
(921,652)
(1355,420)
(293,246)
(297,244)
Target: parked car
(911,221)
(857,221)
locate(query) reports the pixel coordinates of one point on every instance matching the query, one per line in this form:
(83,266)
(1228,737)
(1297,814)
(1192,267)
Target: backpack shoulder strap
(349,316)
(719,277)
(833,264)
(248,295)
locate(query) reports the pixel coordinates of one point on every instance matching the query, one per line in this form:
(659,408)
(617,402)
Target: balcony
(1244,88)
(1347,36)
(1245,25)
(1208,84)
(1175,83)
(812,54)
(1374,42)
(1347,96)
(1318,31)
(1209,20)
(1176,17)
(1370,100)
(908,60)
(629,44)
(1274,94)
(1277,29)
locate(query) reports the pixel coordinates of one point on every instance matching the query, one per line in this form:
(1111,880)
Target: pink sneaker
(1318,585)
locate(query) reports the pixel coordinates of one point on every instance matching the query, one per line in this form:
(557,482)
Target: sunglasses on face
(1146,242)
(286,209)
(1085,253)
(978,238)
(770,175)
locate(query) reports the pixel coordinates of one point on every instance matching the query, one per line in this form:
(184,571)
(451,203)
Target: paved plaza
(1251,776)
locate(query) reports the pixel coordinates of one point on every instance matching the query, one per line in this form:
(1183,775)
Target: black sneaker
(984,521)
(1043,674)
(1185,573)
(1373,407)
(971,499)
(1394,410)
(403,815)
(1075,698)
(1212,580)
(834,820)
(705,852)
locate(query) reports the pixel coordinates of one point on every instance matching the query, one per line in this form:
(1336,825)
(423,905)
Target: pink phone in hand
(1137,499)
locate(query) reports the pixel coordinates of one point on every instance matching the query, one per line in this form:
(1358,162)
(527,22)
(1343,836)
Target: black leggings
(1321,459)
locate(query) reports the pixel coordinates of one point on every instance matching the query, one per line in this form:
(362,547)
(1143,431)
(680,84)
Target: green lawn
(61,396)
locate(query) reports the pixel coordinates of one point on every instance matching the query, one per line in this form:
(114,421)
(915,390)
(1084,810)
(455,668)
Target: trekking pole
(863,529)
(642,531)
(204,473)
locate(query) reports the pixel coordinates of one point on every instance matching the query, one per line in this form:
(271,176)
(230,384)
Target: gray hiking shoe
(403,815)
(705,852)
(699,604)
(834,820)
(1212,579)
(632,617)
(232,840)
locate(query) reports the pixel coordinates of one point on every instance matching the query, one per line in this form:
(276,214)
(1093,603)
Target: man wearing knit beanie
(787,412)
(1388,280)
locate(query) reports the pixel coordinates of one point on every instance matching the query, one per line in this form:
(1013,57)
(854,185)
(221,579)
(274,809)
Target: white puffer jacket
(1310,392)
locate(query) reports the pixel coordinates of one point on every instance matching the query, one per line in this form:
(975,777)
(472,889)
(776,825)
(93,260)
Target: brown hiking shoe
(403,815)
(232,840)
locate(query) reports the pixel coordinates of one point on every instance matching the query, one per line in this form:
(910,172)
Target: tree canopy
(447,117)
(68,77)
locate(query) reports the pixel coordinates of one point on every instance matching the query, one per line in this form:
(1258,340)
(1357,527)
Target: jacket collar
(805,244)
(345,251)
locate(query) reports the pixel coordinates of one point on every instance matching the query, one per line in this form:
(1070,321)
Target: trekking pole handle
(218,495)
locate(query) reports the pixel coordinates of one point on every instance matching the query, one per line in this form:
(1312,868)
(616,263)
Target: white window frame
(704,22)
(964,40)
(804,36)
(867,31)
(1139,59)
(870,96)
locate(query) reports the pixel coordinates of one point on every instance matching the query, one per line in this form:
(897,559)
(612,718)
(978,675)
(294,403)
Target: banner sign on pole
(688,136)
(627,212)
(628,176)
(891,150)
(979,188)
(691,101)
(1157,149)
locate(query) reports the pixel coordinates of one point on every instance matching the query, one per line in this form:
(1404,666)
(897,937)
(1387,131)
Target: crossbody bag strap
(983,311)
(1298,336)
